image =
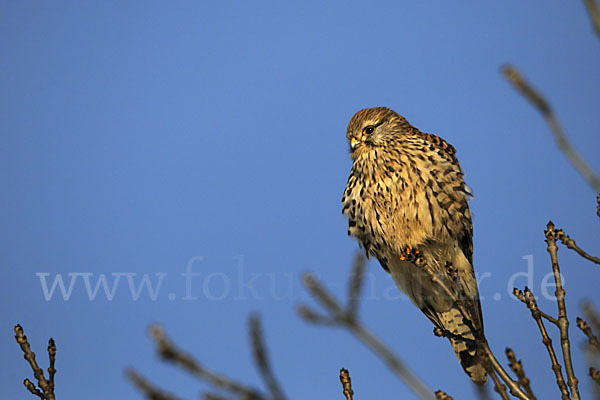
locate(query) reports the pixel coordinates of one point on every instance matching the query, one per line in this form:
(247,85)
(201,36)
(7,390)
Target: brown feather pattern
(406,191)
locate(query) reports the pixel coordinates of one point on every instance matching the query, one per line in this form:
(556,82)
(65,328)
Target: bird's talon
(412,255)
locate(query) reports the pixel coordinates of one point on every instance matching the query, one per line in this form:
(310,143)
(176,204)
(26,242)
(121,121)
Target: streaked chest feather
(397,198)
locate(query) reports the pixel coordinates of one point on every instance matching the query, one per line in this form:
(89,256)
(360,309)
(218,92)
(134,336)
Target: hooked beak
(354,142)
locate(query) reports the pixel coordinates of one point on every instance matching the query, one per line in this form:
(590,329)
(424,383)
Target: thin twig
(480,338)
(393,362)
(591,355)
(33,389)
(563,321)
(528,298)
(52,359)
(538,101)
(343,318)
(310,315)
(547,317)
(169,352)
(46,389)
(346,384)
(570,243)
(513,386)
(499,387)
(517,368)
(261,358)
(591,315)
(355,286)
(320,293)
(591,352)
(592,9)
(593,340)
(215,396)
(149,390)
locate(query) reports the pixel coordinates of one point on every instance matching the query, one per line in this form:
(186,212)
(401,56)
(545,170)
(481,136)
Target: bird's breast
(385,203)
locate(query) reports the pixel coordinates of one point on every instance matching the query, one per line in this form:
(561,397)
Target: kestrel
(406,203)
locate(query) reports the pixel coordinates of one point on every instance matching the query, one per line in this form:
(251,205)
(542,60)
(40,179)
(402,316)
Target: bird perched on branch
(406,203)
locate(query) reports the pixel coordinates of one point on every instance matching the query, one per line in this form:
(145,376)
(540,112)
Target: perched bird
(406,203)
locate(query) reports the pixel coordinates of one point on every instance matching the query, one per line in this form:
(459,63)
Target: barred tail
(466,352)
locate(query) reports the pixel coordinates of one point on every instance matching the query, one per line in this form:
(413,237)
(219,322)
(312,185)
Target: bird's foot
(412,255)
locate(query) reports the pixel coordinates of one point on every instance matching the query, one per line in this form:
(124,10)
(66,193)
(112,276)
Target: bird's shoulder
(437,144)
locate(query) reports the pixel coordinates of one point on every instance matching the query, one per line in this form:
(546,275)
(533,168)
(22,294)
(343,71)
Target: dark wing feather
(465,238)
(440,144)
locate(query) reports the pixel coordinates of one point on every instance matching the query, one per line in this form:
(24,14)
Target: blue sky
(138,137)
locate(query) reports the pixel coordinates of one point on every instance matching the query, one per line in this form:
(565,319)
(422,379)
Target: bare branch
(52,359)
(397,366)
(355,286)
(47,388)
(480,338)
(321,294)
(346,384)
(593,340)
(517,368)
(313,317)
(33,389)
(591,315)
(570,243)
(261,358)
(528,298)
(563,321)
(548,317)
(592,9)
(499,387)
(591,352)
(341,317)
(513,386)
(170,353)
(149,390)
(537,100)
(215,396)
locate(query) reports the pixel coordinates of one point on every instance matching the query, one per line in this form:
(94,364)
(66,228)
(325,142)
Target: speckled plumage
(405,196)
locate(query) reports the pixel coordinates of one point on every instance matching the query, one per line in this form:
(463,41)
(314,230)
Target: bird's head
(373,127)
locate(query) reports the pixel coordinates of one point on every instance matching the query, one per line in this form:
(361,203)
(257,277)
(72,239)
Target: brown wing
(440,144)
(465,236)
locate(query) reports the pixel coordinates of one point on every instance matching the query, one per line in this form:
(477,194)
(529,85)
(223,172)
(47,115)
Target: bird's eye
(368,130)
